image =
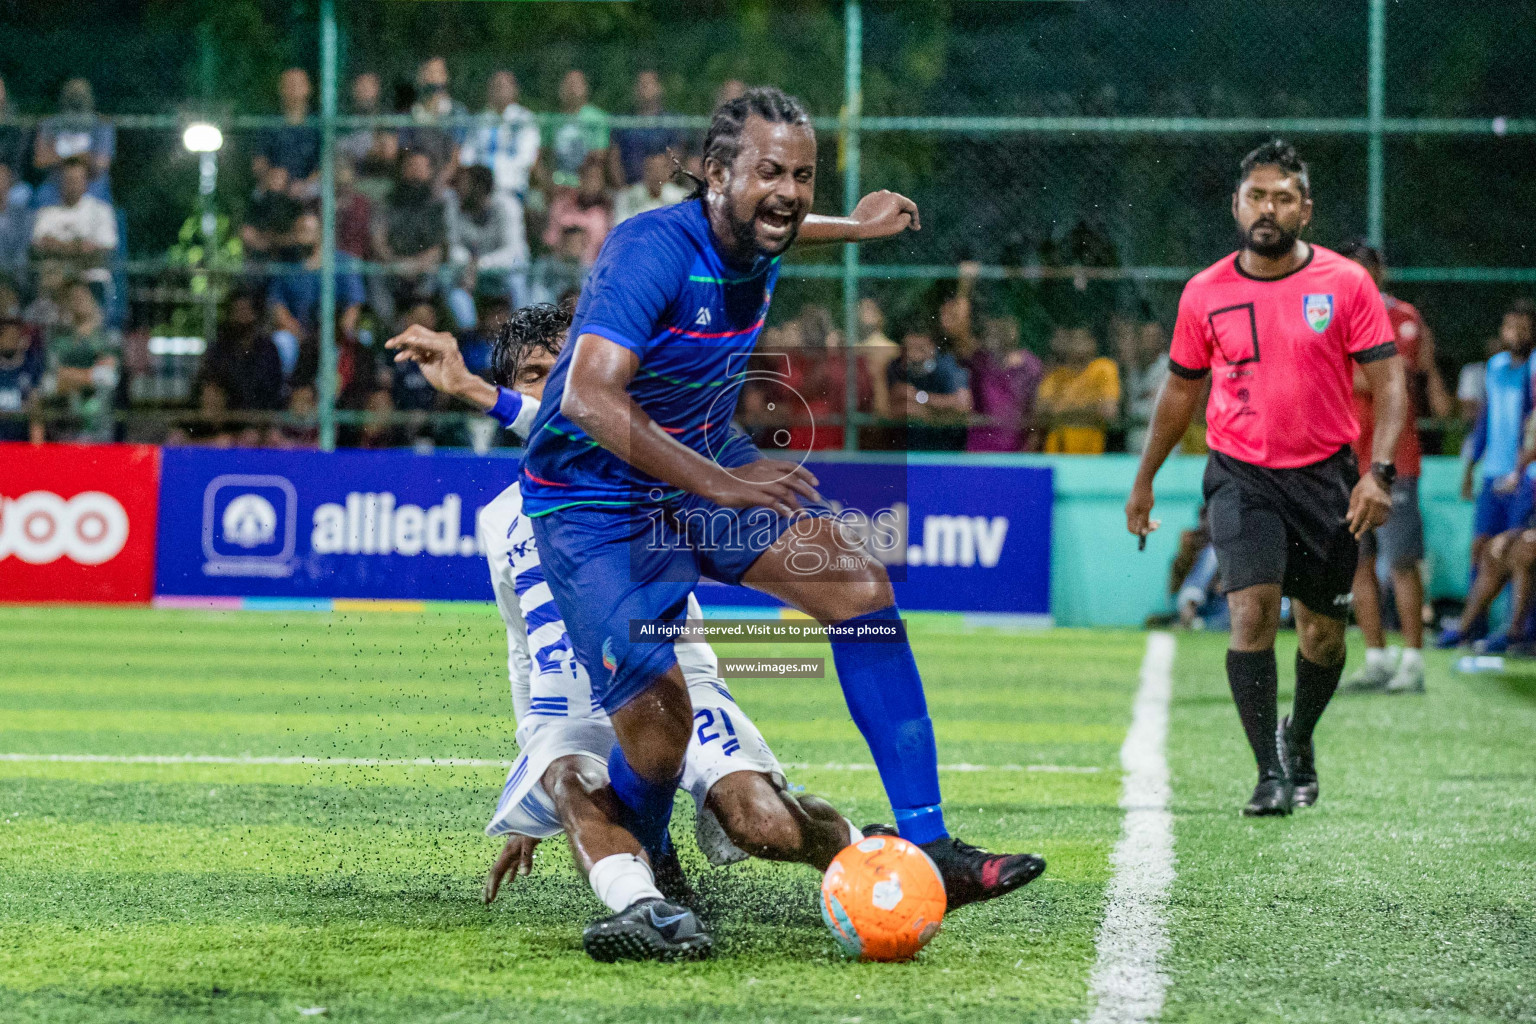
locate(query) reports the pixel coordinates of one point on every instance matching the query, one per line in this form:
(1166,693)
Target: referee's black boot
(1271,798)
(1296,759)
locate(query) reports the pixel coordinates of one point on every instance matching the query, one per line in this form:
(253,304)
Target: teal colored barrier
(1098,578)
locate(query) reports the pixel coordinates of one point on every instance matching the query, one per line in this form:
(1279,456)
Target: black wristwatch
(1385,474)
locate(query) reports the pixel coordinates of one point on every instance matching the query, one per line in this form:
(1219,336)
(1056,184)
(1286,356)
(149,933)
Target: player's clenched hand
(885,213)
(1138,511)
(1369,506)
(438,355)
(770,483)
(517,856)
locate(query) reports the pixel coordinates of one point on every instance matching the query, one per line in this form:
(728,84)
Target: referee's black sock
(1314,689)
(1253,679)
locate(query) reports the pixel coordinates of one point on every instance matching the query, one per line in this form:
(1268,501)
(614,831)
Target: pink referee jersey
(1282,391)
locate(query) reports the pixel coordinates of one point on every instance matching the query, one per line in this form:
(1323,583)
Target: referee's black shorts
(1285,526)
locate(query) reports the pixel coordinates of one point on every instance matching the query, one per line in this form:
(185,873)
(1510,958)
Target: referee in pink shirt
(1278,325)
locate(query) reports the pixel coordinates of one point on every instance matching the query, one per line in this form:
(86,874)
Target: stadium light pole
(326,378)
(206,140)
(1375,110)
(853,110)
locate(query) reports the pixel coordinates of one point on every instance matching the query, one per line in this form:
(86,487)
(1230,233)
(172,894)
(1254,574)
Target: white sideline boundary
(465,762)
(1128,984)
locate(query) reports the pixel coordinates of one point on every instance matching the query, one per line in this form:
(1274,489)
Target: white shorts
(724,741)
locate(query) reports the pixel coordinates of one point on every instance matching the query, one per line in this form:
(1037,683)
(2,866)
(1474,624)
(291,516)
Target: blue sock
(645,807)
(885,698)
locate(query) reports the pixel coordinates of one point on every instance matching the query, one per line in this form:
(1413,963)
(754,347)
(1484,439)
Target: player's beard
(1282,243)
(744,233)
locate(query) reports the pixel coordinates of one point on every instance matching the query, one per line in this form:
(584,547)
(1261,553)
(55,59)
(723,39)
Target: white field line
(1128,984)
(464,762)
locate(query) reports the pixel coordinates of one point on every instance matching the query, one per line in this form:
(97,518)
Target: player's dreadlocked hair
(723,140)
(540,326)
(1281,154)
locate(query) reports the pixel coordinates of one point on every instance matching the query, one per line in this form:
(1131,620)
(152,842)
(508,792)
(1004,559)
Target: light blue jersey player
(637,484)
(559,781)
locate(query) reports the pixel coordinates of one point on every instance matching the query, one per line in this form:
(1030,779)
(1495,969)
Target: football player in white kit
(559,782)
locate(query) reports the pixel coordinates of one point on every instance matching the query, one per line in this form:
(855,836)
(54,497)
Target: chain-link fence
(1073,161)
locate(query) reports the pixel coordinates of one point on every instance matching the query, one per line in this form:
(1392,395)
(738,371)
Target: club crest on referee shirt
(1318,310)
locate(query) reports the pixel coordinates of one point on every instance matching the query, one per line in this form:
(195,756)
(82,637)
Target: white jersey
(552,694)
(548,683)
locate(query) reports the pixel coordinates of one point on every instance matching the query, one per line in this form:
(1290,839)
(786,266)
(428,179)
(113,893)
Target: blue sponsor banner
(389,524)
(953,537)
(397,525)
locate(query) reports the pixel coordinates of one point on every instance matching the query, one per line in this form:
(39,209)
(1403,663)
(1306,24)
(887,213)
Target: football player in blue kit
(633,449)
(559,782)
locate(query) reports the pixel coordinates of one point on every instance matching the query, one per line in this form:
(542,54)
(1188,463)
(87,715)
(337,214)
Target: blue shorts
(609,566)
(1495,512)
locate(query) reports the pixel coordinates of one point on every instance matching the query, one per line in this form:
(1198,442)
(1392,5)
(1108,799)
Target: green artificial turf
(1408,894)
(250,892)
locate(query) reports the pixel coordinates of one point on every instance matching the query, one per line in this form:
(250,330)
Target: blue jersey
(663,290)
(1500,431)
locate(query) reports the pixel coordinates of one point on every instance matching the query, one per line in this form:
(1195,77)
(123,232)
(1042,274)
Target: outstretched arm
(597,400)
(441,362)
(1175,408)
(878,215)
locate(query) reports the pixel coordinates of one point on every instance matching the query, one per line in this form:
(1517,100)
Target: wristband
(508,404)
(1385,474)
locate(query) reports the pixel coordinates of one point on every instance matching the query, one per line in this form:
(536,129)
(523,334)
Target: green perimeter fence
(1073,158)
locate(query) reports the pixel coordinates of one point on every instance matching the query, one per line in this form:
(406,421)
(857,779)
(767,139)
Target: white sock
(854,835)
(1412,656)
(1377,657)
(623,880)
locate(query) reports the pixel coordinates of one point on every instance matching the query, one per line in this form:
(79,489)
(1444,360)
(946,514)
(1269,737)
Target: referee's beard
(1276,242)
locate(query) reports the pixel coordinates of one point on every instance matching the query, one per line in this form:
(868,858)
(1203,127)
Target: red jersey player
(1400,540)
(1280,325)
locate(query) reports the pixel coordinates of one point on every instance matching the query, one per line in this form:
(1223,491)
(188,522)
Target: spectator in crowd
(1505,499)
(354,216)
(654,190)
(931,390)
(486,244)
(373,153)
(1004,380)
(1080,397)
(380,430)
(1472,384)
(75,131)
(21,376)
(957,318)
(582,132)
(876,351)
(508,144)
(1143,368)
(46,310)
(295,144)
(14,153)
(243,364)
(729,90)
(561,271)
(15,232)
(411,232)
(365,98)
(83,360)
(633,146)
(270,215)
(433,106)
(300,428)
(409,390)
(293,296)
(585,207)
(80,231)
